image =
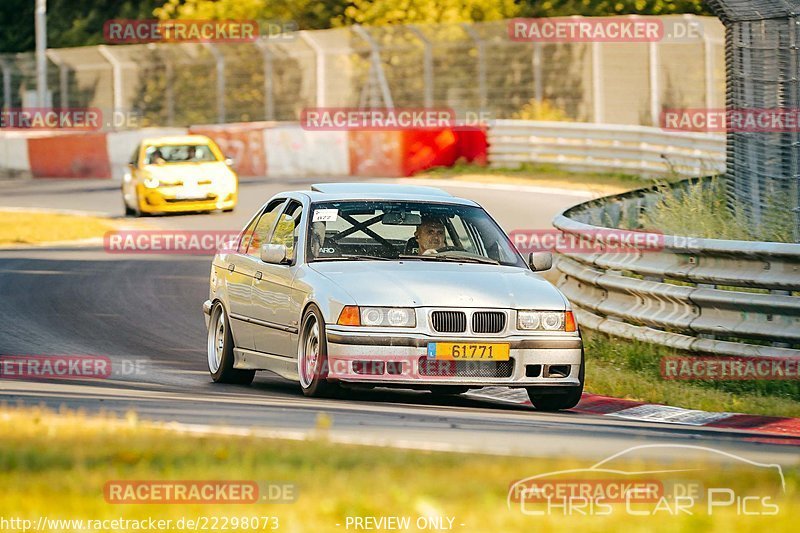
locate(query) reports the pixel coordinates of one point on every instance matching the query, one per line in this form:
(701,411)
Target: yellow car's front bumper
(177,199)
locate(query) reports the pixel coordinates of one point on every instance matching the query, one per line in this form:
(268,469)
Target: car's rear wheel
(561,400)
(312,356)
(220,350)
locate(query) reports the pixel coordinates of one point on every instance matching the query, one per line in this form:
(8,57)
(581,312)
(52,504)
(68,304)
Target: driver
(430,235)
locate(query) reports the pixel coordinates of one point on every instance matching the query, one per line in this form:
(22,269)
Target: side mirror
(539,261)
(273,253)
(229,161)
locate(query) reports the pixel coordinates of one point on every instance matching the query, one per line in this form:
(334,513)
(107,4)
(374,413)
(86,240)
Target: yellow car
(178,174)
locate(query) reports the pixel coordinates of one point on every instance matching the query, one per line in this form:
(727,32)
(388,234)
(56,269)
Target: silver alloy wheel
(308,351)
(216,339)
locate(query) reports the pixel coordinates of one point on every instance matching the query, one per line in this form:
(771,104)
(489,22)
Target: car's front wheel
(312,356)
(561,400)
(220,350)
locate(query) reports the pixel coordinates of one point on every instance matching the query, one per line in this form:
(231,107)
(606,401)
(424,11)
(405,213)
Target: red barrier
(404,153)
(79,155)
(243,142)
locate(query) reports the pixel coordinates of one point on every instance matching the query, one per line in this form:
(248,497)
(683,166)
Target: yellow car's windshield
(178,153)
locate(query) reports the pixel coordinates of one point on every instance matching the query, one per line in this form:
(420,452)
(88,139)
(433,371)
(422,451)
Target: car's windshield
(178,153)
(382,229)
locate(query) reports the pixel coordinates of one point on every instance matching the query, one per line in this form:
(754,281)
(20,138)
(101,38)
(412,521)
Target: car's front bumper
(546,360)
(170,200)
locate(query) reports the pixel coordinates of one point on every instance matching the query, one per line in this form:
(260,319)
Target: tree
(591,8)
(69,22)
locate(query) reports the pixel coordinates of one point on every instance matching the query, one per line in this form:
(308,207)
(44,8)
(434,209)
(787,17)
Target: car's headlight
(152,183)
(546,321)
(398,317)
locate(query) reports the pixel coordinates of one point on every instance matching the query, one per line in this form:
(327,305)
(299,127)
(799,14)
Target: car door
(276,304)
(240,269)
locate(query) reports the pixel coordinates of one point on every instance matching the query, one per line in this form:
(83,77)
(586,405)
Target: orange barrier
(243,142)
(79,155)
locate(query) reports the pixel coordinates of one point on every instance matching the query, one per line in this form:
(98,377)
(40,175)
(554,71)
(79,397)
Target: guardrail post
(219,60)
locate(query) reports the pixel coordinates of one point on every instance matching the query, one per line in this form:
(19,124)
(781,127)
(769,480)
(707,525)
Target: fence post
(708,52)
(536,61)
(597,82)
(62,77)
(6,68)
(116,76)
(427,64)
(375,58)
(655,89)
(219,60)
(269,96)
(480,47)
(319,61)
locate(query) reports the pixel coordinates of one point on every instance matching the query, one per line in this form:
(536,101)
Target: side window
(463,235)
(258,234)
(287,232)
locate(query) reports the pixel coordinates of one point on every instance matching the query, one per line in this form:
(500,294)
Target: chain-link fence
(471,68)
(763,73)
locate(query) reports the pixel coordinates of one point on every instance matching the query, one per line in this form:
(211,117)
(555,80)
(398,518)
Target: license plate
(468,351)
(190,195)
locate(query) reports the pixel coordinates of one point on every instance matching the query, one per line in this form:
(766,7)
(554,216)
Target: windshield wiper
(452,258)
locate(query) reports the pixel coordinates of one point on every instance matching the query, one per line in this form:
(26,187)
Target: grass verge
(599,184)
(630,369)
(57,466)
(32,227)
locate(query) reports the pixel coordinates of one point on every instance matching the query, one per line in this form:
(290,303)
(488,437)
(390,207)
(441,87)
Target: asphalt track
(145,310)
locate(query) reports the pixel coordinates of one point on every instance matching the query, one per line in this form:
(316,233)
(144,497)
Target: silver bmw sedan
(352,285)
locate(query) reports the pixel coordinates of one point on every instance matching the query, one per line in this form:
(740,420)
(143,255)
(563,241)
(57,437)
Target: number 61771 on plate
(466,351)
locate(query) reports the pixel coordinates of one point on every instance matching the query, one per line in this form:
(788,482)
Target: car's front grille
(449,321)
(488,322)
(466,369)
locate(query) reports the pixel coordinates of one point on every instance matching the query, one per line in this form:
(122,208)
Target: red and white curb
(649,412)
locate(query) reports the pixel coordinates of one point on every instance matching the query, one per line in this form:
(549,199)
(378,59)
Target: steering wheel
(449,249)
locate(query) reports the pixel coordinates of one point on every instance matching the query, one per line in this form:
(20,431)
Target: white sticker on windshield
(325,215)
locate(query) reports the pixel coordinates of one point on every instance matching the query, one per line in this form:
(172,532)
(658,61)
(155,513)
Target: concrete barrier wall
(258,149)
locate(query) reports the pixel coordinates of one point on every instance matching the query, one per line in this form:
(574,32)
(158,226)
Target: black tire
(312,341)
(557,402)
(220,350)
(449,390)
(228,210)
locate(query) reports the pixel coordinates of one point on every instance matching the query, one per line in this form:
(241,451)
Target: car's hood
(193,171)
(429,284)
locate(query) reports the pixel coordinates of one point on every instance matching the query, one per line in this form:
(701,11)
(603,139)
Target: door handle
(231,267)
(258,274)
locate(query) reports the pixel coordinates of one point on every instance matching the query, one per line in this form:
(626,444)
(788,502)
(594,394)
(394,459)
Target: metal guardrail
(723,297)
(638,150)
